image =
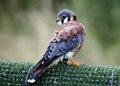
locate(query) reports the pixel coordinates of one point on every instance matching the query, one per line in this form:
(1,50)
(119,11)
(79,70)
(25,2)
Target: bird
(66,41)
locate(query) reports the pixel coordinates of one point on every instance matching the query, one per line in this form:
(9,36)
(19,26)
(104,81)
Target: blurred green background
(26,27)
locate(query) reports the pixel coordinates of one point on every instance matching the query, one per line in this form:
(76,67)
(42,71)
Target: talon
(72,62)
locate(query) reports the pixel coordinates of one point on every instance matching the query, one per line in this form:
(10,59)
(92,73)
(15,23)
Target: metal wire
(26,78)
(111,82)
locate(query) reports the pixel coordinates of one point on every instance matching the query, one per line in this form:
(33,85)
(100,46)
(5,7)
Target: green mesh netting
(14,73)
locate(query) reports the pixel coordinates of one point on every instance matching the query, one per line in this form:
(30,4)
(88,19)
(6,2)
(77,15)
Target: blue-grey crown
(65,12)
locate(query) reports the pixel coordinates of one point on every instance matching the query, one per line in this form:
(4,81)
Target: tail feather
(39,65)
(37,74)
(38,70)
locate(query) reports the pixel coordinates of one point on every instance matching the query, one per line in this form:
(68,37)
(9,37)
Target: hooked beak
(57,19)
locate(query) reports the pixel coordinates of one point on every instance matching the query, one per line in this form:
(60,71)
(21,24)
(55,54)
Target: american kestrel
(65,43)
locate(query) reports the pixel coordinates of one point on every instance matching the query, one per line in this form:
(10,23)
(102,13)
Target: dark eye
(63,17)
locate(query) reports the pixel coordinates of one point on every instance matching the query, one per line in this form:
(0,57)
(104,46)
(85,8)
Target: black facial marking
(69,18)
(62,21)
(65,13)
(74,17)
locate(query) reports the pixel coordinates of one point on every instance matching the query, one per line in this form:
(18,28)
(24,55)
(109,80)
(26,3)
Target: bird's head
(64,16)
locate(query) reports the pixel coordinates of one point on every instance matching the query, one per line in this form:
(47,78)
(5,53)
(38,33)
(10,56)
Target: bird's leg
(72,62)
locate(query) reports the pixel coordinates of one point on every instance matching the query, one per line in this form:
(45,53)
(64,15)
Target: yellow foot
(72,62)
